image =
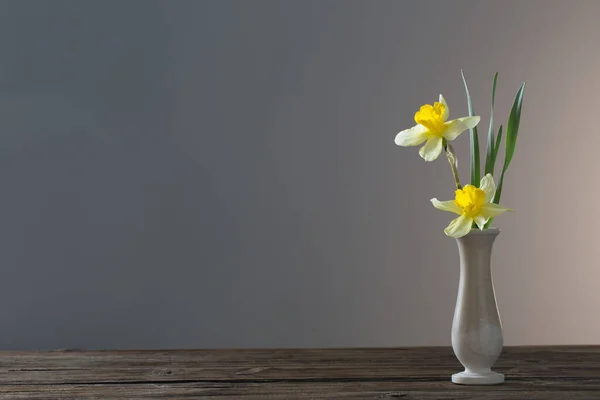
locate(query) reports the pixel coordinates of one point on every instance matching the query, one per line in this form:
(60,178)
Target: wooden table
(558,372)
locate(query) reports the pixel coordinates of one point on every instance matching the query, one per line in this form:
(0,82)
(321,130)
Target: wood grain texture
(557,372)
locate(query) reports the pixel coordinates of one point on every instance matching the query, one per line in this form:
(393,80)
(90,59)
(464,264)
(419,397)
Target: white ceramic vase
(476,329)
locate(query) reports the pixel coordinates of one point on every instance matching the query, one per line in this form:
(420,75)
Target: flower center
(431,117)
(470,199)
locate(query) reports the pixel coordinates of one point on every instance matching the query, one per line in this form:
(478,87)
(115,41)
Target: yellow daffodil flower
(433,126)
(473,205)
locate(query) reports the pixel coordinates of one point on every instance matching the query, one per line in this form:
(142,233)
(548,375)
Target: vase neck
(475,253)
(479,239)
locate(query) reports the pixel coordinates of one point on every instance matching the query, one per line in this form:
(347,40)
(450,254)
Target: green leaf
(474,160)
(512,128)
(496,149)
(512,131)
(497,144)
(489,159)
(496,197)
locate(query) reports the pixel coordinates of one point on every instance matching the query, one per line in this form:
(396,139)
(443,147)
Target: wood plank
(535,389)
(273,365)
(556,372)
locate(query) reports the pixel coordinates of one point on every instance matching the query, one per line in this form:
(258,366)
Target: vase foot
(473,378)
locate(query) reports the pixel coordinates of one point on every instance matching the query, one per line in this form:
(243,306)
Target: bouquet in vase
(477,338)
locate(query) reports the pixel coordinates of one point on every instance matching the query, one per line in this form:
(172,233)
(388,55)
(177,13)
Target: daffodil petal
(454,128)
(412,137)
(488,186)
(446,109)
(459,227)
(491,210)
(470,122)
(432,148)
(446,206)
(480,220)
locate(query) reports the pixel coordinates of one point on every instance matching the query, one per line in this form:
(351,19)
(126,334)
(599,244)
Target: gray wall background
(223,173)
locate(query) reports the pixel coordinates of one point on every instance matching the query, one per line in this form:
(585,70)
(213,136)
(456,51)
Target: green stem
(453,162)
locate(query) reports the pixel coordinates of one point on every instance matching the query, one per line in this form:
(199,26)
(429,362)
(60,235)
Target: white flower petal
(480,220)
(446,206)
(446,109)
(432,148)
(453,129)
(491,210)
(488,186)
(470,122)
(412,137)
(459,227)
